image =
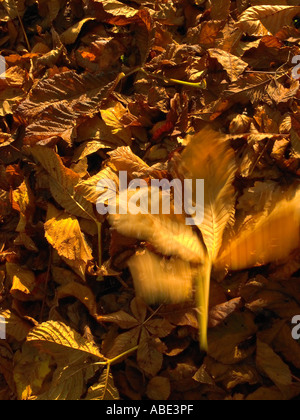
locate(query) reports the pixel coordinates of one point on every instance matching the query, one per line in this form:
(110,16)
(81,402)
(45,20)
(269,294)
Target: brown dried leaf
(263,20)
(159,388)
(273,366)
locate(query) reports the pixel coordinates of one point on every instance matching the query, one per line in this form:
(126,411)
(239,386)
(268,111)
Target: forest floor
(93,88)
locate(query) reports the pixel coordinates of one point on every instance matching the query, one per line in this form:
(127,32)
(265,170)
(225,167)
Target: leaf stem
(202,299)
(121,356)
(199,85)
(22,26)
(99,228)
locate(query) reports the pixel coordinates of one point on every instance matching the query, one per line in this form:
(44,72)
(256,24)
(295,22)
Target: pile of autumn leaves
(127,299)
(171,253)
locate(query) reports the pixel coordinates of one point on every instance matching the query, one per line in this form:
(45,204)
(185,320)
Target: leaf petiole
(198,85)
(116,359)
(99,229)
(121,356)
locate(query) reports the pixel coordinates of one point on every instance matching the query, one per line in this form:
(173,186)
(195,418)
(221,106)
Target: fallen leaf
(159,388)
(63,232)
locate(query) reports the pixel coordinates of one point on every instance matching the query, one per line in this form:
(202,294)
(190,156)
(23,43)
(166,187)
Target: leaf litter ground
(95,87)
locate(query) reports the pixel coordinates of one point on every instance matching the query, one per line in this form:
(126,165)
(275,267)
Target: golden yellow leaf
(208,156)
(23,283)
(272,238)
(63,232)
(165,233)
(158,280)
(123,159)
(62,183)
(58,339)
(113,118)
(24,199)
(88,188)
(104,390)
(15,326)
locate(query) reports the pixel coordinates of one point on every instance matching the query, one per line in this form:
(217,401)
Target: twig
(22,26)
(259,157)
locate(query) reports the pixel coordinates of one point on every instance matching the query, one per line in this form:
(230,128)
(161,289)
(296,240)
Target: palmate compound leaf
(209,156)
(77,360)
(271,238)
(73,355)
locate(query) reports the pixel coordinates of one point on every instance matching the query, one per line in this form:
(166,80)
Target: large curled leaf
(262,20)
